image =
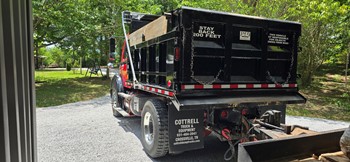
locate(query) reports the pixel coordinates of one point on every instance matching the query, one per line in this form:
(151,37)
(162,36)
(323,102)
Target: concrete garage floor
(87,131)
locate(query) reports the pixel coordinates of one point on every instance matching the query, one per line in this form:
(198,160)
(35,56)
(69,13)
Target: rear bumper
(235,100)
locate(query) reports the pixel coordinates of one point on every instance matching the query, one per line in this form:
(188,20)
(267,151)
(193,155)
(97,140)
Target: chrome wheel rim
(148,127)
(114,98)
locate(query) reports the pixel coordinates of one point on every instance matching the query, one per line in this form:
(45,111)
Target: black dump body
(208,53)
(244,48)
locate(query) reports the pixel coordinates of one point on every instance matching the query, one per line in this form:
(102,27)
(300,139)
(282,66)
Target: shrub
(68,67)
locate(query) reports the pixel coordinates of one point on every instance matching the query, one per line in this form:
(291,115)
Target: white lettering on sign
(244,35)
(278,39)
(206,32)
(186,121)
(187,132)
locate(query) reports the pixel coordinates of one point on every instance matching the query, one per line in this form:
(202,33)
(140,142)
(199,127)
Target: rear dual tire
(154,128)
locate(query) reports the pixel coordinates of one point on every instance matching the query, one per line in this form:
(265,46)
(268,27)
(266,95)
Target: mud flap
(186,131)
(291,148)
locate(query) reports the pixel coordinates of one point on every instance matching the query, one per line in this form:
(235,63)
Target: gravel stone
(88,131)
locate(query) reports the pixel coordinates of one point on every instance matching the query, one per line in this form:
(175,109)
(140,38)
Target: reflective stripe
(157,90)
(235,86)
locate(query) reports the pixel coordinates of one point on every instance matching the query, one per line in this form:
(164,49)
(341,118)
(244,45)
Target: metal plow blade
(291,148)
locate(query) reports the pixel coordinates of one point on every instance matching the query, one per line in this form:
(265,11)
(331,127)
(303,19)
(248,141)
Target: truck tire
(115,99)
(154,128)
(345,142)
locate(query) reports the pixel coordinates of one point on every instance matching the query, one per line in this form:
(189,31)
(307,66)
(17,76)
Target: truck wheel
(154,128)
(115,100)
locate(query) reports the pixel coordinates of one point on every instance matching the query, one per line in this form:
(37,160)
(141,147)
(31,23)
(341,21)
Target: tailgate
(223,48)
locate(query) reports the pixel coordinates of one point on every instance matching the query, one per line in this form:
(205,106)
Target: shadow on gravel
(131,124)
(213,148)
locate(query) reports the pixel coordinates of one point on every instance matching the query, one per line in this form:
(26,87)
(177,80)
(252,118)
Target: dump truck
(193,72)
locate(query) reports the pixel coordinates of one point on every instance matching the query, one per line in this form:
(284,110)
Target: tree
(51,22)
(84,26)
(319,37)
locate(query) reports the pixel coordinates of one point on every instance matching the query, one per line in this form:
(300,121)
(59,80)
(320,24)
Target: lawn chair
(94,70)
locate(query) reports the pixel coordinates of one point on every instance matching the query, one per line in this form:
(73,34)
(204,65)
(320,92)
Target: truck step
(124,95)
(122,112)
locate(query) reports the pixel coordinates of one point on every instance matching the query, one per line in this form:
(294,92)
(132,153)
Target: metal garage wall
(17,113)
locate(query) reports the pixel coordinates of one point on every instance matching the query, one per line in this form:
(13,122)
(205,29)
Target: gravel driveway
(87,131)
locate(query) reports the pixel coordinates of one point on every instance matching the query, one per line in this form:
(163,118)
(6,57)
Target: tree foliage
(321,36)
(82,28)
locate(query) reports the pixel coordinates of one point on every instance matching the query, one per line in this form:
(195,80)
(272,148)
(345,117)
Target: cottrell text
(186,121)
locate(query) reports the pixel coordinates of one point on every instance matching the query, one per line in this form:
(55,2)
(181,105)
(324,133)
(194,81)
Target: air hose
(231,150)
(226,134)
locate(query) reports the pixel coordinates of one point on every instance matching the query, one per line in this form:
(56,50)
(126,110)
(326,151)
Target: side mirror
(111,45)
(112,56)
(111,49)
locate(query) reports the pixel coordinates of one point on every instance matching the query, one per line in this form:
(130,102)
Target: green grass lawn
(61,87)
(327,96)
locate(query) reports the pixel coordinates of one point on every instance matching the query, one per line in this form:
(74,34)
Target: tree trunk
(81,65)
(107,71)
(37,56)
(306,78)
(346,68)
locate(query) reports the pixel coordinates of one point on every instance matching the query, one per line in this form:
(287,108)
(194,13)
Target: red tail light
(169,83)
(177,54)
(224,114)
(245,111)
(124,67)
